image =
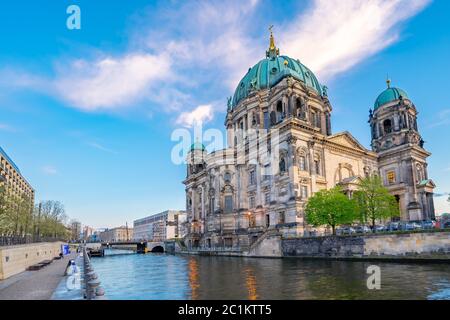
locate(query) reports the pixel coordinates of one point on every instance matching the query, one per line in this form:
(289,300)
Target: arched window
(280,114)
(227,177)
(302,163)
(228,199)
(317,167)
(301,112)
(387,126)
(211,205)
(266,120)
(254,122)
(282,165)
(318,123)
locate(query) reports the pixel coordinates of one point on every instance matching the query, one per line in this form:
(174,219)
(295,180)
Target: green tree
(331,208)
(374,202)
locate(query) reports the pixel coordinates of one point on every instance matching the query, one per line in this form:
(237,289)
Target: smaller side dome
(197,146)
(390,95)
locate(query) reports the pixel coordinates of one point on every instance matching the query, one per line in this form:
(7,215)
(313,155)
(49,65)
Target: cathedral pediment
(345,139)
(428,183)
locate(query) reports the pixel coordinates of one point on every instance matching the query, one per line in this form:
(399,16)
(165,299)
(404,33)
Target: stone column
(258,173)
(193,203)
(203,202)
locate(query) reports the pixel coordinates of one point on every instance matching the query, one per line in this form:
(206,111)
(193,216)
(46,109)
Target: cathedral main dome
(271,70)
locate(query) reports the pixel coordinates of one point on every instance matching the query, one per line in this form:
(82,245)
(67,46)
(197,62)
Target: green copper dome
(197,146)
(268,72)
(390,95)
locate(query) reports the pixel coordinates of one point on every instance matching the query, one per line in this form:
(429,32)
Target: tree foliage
(374,202)
(20,217)
(330,207)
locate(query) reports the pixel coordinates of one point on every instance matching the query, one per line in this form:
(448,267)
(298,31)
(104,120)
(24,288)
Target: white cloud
(111,82)
(213,37)
(49,170)
(199,115)
(101,147)
(334,35)
(443,118)
(7,128)
(179,52)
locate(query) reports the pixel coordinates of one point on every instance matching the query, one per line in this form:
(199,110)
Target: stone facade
(434,245)
(281,150)
(402,158)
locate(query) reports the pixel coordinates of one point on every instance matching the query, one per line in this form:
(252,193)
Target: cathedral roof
(271,70)
(197,146)
(390,95)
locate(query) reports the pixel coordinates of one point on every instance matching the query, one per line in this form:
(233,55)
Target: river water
(163,276)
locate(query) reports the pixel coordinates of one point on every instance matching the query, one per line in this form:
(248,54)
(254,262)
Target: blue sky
(88,114)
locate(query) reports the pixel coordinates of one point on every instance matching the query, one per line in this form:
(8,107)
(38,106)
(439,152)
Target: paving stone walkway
(35,285)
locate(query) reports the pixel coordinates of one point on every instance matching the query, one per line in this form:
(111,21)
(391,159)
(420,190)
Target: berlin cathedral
(234,197)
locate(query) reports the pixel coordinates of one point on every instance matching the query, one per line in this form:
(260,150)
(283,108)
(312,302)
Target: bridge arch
(157,249)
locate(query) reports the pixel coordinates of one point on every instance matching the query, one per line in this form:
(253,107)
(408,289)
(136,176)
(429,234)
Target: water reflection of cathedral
(232,202)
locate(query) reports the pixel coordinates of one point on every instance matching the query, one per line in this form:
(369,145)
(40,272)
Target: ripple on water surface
(162,276)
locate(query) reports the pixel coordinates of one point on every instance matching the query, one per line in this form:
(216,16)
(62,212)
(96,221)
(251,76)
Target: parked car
(362,229)
(428,224)
(380,228)
(393,226)
(416,225)
(405,226)
(345,231)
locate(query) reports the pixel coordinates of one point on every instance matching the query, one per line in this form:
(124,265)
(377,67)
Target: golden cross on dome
(273,51)
(272,40)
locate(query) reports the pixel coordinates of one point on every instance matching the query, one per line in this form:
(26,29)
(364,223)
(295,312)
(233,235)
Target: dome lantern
(273,51)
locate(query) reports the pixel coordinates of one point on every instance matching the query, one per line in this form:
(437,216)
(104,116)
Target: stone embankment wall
(432,245)
(16,259)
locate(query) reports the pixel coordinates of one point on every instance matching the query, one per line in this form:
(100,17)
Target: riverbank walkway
(35,285)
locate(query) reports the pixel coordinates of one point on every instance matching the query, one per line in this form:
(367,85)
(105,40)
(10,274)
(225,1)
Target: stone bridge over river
(138,246)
